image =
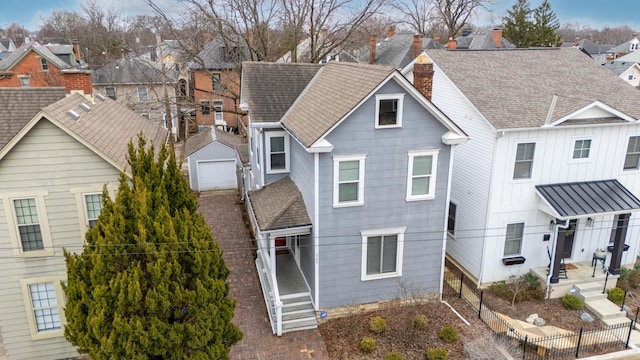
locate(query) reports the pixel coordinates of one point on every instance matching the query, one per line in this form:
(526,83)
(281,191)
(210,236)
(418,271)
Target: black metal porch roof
(588,198)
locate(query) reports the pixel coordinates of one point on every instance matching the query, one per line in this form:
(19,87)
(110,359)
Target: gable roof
(481,41)
(396,51)
(206,137)
(279,205)
(303,54)
(336,90)
(106,128)
(515,88)
(271,88)
(15,57)
(633,56)
(618,67)
(130,71)
(20,105)
(216,56)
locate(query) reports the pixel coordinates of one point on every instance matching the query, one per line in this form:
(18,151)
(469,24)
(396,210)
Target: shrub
(616,295)
(394,355)
(377,324)
(500,288)
(572,302)
(437,354)
(420,322)
(448,334)
(367,345)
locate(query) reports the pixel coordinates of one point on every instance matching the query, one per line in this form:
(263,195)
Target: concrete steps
(597,302)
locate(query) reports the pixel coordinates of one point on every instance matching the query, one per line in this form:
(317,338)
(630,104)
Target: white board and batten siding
(213,167)
(516,201)
(50,161)
(471,175)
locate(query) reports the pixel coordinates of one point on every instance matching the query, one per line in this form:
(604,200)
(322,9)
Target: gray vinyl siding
(45,159)
(471,176)
(307,265)
(384,205)
(213,151)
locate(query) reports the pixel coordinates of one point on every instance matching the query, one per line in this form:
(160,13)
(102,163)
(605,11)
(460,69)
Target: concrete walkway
(223,213)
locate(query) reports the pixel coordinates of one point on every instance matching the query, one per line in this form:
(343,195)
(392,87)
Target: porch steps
(597,302)
(298,312)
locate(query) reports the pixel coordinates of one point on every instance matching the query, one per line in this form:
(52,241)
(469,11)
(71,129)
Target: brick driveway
(223,213)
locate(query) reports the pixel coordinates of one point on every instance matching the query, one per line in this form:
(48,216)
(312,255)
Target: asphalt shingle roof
(617,67)
(206,137)
(107,126)
(396,51)
(279,205)
(216,56)
(481,41)
(11,60)
(271,88)
(335,91)
(515,88)
(19,105)
(130,71)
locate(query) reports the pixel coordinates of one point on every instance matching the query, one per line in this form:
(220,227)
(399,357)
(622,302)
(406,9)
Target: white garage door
(217,175)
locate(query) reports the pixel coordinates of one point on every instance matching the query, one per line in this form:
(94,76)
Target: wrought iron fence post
(524,346)
(626,345)
(461,279)
(480,307)
(623,300)
(606,278)
(635,319)
(579,340)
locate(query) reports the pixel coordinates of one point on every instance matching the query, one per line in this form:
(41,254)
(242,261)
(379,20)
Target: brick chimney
(391,32)
(496,36)
(417,45)
(423,76)
(452,43)
(372,49)
(77,81)
(576,43)
(76,49)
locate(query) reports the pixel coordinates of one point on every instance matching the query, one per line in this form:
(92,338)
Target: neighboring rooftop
(618,67)
(483,40)
(12,59)
(131,70)
(206,137)
(516,88)
(20,105)
(217,55)
(396,50)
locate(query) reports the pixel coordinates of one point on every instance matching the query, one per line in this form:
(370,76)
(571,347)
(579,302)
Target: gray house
(349,186)
(213,160)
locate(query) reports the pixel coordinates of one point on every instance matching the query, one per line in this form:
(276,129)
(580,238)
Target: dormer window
(389,110)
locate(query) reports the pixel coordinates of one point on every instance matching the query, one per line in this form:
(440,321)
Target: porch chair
(563,269)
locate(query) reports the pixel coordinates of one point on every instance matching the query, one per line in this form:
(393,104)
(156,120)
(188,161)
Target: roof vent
(74,115)
(100,97)
(85,107)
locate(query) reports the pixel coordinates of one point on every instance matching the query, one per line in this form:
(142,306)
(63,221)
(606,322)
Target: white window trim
(400,98)
(44,63)
(624,157)
(573,146)
(434,170)
(218,115)
(267,155)
(399,231)
(146,91)
(515,155)
(28,305)
(336,169)
(504,239)
(42,218)
(20,77)
(81,204)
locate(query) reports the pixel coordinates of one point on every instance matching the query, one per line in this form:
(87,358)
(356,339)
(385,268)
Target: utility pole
(167,108)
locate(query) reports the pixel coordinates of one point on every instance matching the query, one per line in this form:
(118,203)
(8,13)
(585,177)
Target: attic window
(389,111)
(74,115)
(44,65)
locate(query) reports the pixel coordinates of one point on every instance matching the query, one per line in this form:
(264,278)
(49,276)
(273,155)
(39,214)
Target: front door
(569,234)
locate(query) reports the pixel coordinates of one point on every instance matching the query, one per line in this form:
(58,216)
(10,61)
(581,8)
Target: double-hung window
(111,92)
(278,152)
(215,81)
(205,105)
(44,65)
(348,180)
(28,224)
(142,94)
(581,149)
(382,253)
(421,179)
(632,159)
(388,110)
(93,204)
(24,81)
(451,219)
(513,239)
(524,161)
(217,112)
(44,301)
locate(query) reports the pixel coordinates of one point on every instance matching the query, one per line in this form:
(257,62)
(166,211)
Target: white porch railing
(270,292)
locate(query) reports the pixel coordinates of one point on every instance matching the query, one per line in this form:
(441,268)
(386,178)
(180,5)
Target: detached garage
(213,160)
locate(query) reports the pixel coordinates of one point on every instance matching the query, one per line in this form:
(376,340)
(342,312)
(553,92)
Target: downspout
(316,227)
(446,232)
(554,243)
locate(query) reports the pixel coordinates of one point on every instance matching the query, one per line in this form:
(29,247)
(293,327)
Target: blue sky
(594,13)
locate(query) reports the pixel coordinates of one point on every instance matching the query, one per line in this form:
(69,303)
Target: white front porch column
(272,255)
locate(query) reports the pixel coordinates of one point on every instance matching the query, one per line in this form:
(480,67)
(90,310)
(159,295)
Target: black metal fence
(563,346)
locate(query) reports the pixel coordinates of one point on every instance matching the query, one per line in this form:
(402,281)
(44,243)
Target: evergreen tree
(151,282)
(517,26)
(545,26)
